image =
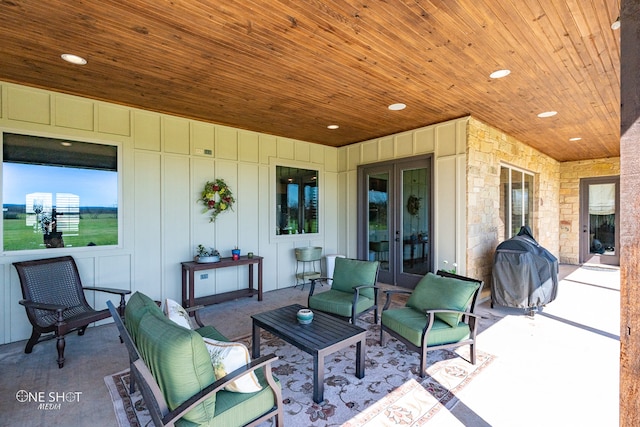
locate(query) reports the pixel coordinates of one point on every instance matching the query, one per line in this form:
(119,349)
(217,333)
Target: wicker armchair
(55,302)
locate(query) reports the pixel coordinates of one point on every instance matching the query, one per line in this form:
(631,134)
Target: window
(296,200)
(516,200)
(58,193)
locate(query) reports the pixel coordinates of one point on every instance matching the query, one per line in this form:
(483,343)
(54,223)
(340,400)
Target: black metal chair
(55,302)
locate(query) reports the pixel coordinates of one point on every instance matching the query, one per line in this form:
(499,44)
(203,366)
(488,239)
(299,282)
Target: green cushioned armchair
(438,314)
(353,290)
(173,370)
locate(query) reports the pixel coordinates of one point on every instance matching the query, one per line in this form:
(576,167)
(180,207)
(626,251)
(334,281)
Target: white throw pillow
(177,313)
(226,357)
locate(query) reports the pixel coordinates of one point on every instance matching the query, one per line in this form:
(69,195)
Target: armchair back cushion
(179,361)
(137,307)
(352,272)
(435,292)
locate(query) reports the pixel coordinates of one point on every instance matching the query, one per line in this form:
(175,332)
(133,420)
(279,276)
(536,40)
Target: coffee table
(323,336)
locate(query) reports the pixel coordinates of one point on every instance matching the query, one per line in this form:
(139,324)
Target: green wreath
(413,205)
(217,198)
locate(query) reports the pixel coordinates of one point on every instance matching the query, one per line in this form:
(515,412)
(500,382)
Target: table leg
(260,280)
(255,341)
(192,291)
(251,277)
(318,377)
(360,355)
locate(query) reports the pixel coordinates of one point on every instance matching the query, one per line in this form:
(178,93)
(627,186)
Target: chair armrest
(312,288)
(389,293)
(121,292)
(464,313)
(42,306)
(196,311)
(107,290)
(187,405)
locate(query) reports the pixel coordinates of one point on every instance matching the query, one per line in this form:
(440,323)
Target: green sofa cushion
(410,323)
(237,409)
(338,302)
(180,363)
(137,307)
(349,273)
(445,293)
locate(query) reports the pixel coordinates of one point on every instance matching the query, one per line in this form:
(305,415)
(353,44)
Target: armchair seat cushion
(338,302)
(410,323)
(234,409)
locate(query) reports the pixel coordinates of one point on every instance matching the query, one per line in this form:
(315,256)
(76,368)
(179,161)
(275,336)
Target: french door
(395,218)
(600,220)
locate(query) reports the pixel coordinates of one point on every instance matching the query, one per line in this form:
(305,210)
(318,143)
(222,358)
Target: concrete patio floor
(557,368)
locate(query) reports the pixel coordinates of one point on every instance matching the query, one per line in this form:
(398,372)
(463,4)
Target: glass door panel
(415,221)
(378,218)
(602,219)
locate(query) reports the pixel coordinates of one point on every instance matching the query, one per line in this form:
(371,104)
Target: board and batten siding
(165,161)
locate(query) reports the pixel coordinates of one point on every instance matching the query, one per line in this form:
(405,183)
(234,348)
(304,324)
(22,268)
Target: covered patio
(558,368)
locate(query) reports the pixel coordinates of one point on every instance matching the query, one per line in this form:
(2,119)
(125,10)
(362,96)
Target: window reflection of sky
(95,187)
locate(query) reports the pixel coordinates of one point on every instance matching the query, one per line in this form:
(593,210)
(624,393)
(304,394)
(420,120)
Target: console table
(188,276)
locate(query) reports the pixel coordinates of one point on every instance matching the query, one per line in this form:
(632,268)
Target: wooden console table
(188,276)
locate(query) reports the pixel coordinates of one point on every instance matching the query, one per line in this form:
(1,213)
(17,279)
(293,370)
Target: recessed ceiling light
(577,138)
(500,74)
(397,107)
(547,114)
(66,144)
(616,24)
(333,127)
(74,59)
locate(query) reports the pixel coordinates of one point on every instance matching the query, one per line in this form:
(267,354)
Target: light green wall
(165,162)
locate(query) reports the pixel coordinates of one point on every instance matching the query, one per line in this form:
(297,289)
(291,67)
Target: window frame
(508,223)
(120,188)
(273,203)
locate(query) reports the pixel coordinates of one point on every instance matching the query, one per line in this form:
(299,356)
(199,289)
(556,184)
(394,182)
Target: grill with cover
(525,275)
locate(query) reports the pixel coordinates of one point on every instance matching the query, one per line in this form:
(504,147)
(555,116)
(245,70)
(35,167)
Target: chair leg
(33,340)
(132,380)
(60,346)
(381,336)
(472,351)
(423,362)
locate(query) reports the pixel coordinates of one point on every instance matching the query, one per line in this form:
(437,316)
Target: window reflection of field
(97,229)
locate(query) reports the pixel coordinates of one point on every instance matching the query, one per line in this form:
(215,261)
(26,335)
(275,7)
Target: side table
(188,281)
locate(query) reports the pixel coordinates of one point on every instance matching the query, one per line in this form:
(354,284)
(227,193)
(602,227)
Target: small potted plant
(207,255)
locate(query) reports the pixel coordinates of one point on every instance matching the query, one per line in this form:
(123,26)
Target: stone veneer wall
(487,149)
(570,175)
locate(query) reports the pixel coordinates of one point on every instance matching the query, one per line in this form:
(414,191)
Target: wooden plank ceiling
(292,67)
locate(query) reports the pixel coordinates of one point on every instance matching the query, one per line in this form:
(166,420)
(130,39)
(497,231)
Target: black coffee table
(323,336)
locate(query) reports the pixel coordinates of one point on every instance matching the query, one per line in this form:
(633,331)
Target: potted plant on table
(207,255)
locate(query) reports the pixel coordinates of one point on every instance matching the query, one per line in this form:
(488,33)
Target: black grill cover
(525,275)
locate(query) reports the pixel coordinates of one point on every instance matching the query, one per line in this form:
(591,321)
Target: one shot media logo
(53,400)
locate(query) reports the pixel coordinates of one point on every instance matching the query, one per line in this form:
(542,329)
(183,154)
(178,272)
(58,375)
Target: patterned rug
(391,393)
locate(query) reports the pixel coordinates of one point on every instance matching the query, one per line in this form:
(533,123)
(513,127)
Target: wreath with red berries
(217,198)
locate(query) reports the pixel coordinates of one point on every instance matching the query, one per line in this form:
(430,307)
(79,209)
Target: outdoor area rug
(391,393)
